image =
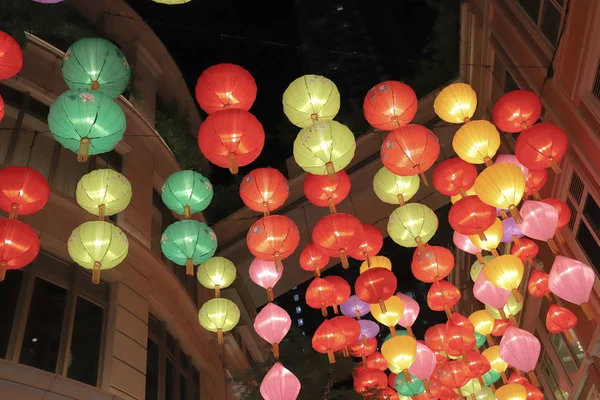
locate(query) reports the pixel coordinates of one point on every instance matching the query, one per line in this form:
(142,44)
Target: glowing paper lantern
(280,384)
(376,285)
(406,388)
(412,225)
(264,190)
(490,294)
(23,191)
(536,179)
(322,191)
(492,354)
(188,243)
(533,393)
(86,122)
(19,245)
(511,159)
(442,296)
(313,259)
(517,110)
(103,192)
(538,284)
(483,323)
(453,177)
(368,329)
(493,235)
(97,245)
(400,352)
(273,238)
(371,244)
(224,86)
(510,309)
(272,323)
(376,262)
(464,243)
(349,327)
(424,363)
(512,391)
(265,274)
(354,307)
(341,291)
(394,308)
(363,347)
(376,361)
(521,350)
(471,216)
(572,281)
(217,273)
(453,374)
(338,234)
(187,192)
(389,105)
(511,233)
(477,142)
(541,146)
(434,337)
(506,272)
(411,312)
(516,377)
(526,250)
(311,98)
(441,391)
(320,294)
(219,315)
(369,379)
(328,338)
(501,186)
(456,103)
(394,189)
(560,319)
(11,56)
(540,221)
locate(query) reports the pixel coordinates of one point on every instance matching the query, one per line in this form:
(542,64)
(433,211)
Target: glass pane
(551,375)
(152,371)
(591,212)
(86,342)
(170,380)
(576,188)
(589,245)
(576,348)
(532,7)
(44,324)
(183,388)
(509,83)
(9,294)
(196,394)
(551,22)
(564,354)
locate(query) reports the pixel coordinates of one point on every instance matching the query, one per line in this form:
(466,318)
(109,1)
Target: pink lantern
(280,384)
(265,274)
(572,281)
(424,363)
(540,221)
(511,159)
(272,323)
(521,350)
(465,244)
(411,312)
(490,294)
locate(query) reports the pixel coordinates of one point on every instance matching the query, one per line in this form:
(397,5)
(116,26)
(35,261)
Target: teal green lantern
(408,389)
(480,339)
(86,122)
(96,64)
(399,332)
(491,377)
(188,243)
(187,192)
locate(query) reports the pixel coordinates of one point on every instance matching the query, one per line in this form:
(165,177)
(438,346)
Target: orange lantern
(341,291)
(11,56)
(376,361)
(453,374)
(541,146)
(442,296)
(454,177)
(328,338)
(434,337)
(349,327)
(500,327)
(560,320)
(389,105)
(264,190)
(564,215)
(459,335)
(517,110)
(471,216)
(538,284)
(376,285)
(273,238)
(337,234)
(371,244)
(313,259)
(320,294)
(432,263)
(322,191)
(363,347)
(536,179)
(369,379)
(224,86)
(526,250)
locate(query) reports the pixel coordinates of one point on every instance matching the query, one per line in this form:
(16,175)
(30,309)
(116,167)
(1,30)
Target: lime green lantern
(471,387)
(510,309)
(311,98)
(485,394)
(216,273)
(97,245)
(394,189)
(412,225)
(96,64)
(86,122)
(188,243)
(219,315)
(103,192)
(187,192)
(477,267)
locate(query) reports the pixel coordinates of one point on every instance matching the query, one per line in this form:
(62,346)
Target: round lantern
(224,86)
(354,307)
(328,338)
(368,329)
(86,122)
(526,250)
(471,216)
(453,374)
(376,361)
(389,314)
(459,336)
(313,259)
(511,159)
(477,142)
(371,244)
(273,238)
(512,391)
(322,191)
(411,312)
(341,291)
(187,192)
(454,177)
(483,323)
(23,191)
(103,192)
(217,273)
(434,337)
(533,393)
(512,233)
(362,348)
(400,352)
(490,294)
(97,245)
(219,315)
(572,281)
(456,103)
(264,190)
(521,350)
(501,186)
(442,296)
(231,138)
(338,234)
(389,105)
(376,262)
(265,274)
(369,379)
(11,56)
(493,235)
(564,215)
(560,319)
(188,243)
(19,245)
(424,363)
(540,221)
(394,189)
(516,377)
(412,225)
(538,284)
(376,285)
(542,146)
(311,98)
(432,263)
(506,272)
(272,323)
(280,384)
(350,328)
(536,179)
(464,243)
(517,110)
(320,294)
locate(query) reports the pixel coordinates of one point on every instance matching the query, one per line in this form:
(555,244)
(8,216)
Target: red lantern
(320,294)
(392,380)
(370,246)
(363,347)
(517,110)
(538,284)
(471,216)
(560,319)
(369,379)
(517,378)
(313,259)
(273,238)
(328,339)
(454,176)
(389,105)
(500,327)
(434,337)
(526,250)
(533,393)
(341,292)
(536,179)
(564,213)
(349,327)
(337,234)
(376,285)
(453,374)
(442,296)
(410,150)
(431,264)
(19,245)
(322,191)
(541,146)
(437,389)
(264,190)
(224,86)
(376,361)
(23,191)
(459,335)
(231,138)
(1,108)
(11,56)
(390,394)
(476,363)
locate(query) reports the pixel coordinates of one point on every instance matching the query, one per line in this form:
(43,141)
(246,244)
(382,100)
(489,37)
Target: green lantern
(491,377)
(188,243)
(103,192)
(399,332)
(477,267)
(480,339)
(86,122)
(96,64)
(187,192)
(409,388)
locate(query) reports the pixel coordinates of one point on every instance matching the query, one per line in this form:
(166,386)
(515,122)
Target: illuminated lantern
(490,294)
(511,233)
(516,377)
(493,235)
(441,391)
(309,99)
(542,146)
(188,242)
(511,159)
(409,388)
(411,312)
(273,238)
(400,352)
(187,192)
(371,244)
(492,354)
(369,379)
(453,374)
(11,56)
(264,190)
(394,189)
(476,142)
(376,361)
(425,362)
(516,111)
(376,285)
(103,192)
(501,186)
(536,179)
(456,103)
(265,274)
(328,338)
(470,192)
(453,177)
(526,250)
(506,272)
(389,314)
(538,284)
(483,323)
(337,234)
(564,215)
(512,391)
(368,329)
(280,384)
(224,86)
(363,347)
(471,216)
(86,122)
(341,291)
(533,393)
(500,326)
(219,315)
(434,337)
(320,294)
(464,243)
(521,350)
(572,281)
(560,320)
(432,263)
(272,323)
(1,108)
(96,64)
(354,307)
(19,245)
(313,259)
(389,105)
(376,262)
(412,225)
(389,394)
(458,335)
(471,387)
(540,222)
(23,191)
(510,309)
(477,267)
(442,296)
(322,191)
(217,273)
(231,138)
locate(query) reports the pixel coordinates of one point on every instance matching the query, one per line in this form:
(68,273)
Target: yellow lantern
(506,272)
(477,142)
(493,234)
(376,262)
(483,323)
(456,103)
(510,309)
(311,98)
(501,186)
(400,352)
(97,245)
(492,354)
(394,189)
(485,394)
(393,369)
(103,192)
(324,148)
(412,225)
(219,315)
(512,391)
(394,307)
(217,273)
(470,192)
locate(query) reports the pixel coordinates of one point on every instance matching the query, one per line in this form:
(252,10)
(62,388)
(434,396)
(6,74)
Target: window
(298,309)
(296,297)
(300,322)
(547,16)
(509,83)
(552,377)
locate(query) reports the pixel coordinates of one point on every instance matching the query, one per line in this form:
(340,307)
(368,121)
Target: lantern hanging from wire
(483,323)
(349,327)
(521,350)
(511,159)
(508,312)
(517,110)
(456,103)
(103,192)
(273,238)
(540,222)
(337,235)
(410,314)
(376,285)
(477,142)
(493,235)
(560,320)
(442,296)
(376,361)
(219,315)
(187,192)
(394,189)
(490,294)
(188,242)
(11,56)
(23,191)
(511,233)
(537,285)
(327,339)
(224,86)
(536,179)
(424,363)
(412,225)
(322,191)
(477,267)
(362,348)
(454,177)
(280,384)
(506,272)
(370,246)
(272,323)
(572,280)
(526,250)
(564,215)
(368,329)
(264,190)
(216,273)
(388,314)
(501,186)
(266,275)
(369,379)
(542,146)
(312,259)
(464,243)
(341,291)
(310,99)
(354,307)
(400,352)
(376,262)
(389,105)
(19,245)
(320,294)
(434,337)
(471,216)
(492,354)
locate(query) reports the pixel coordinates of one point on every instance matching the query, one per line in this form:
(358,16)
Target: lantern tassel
(368,258)
(317,271)
(513,321)
(336,310)
(518,296)
(480,258)
(345,352)
(101,212)
(488,161)
(503,214)
(364,359)
(502,314)
(357,314)
(588,311)
(233,165)
(533,378)
(187,212)
(463,192)
(84,150)
(363,339)
(410,331)
(2,270)
(96,272)
(331,356)
(14,211)
(276,350)
(515,239)
(330,171)
(270,294)
(515,214)
(549,297)
(481,235)
(344,259)
(426,386)
(95,85)
(554,165)
(324,311)
(382,306)
(266,211)
(217,291)
(419,243)
(220,338)
(189,266)
(422,174)
(559,236)
(490,341)
(553,246)
(493,387)
(392,331)
(401,200)
(536,195)
(407,376)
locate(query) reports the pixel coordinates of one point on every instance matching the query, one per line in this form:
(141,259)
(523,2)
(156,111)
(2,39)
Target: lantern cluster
(11,61)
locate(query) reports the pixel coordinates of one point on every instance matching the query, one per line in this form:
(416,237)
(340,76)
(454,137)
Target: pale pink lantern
(572,281)
(511,159)
(540,221)
(521,350)
(280,384)
(424,363)
(265,274)
(48,1)
(490,294)
(272,323)
(411,312)
(465,244)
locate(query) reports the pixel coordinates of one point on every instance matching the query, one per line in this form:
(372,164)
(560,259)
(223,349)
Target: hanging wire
(550,73)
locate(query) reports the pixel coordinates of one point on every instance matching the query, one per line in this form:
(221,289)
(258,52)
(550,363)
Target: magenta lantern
(572,281)
(424,363)
(272,323)
(265,274)
(540,221)
(521,350)
(490,294)
(280,384)
(511,159)
(355,307)
(411,312)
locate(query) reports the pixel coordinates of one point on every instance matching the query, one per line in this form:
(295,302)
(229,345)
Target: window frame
(535,27)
